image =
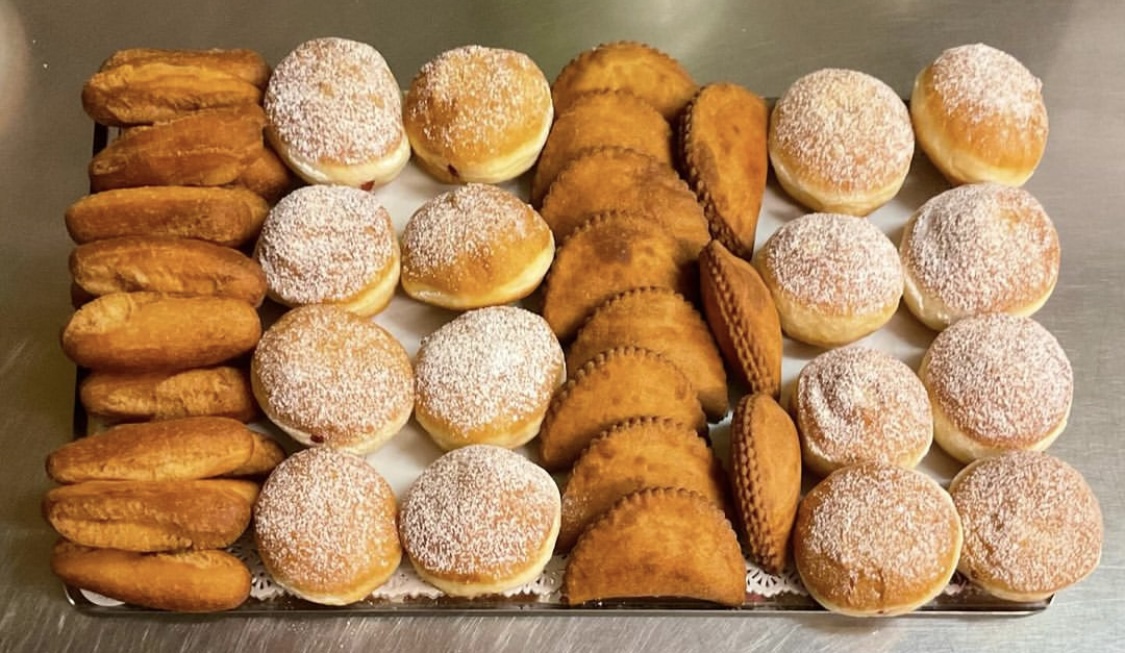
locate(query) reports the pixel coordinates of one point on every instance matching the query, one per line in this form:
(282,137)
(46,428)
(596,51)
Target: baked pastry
(330,245)
(765,458)
(743,318)
(150,516)
(329,377)
(224,216)
(979,116)
(840,141)
(474,246)
(723,155)
(855,405)
(600,118)
(997,383)
(637,68)
(480,520)
(659,542)
(663,321)
(166,264)
(335,114)
(140,396)
(478,114)
(149,331)
(639,453)
(834,279)
(325,526)
(244,64)
(180,581)
(876,540)
(268,177)
(975,249)
(628,251)
(486,377)
(1032,525)
(616,385)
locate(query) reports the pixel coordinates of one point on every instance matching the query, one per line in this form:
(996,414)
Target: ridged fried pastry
(268,177)
(245,64)
(140,396)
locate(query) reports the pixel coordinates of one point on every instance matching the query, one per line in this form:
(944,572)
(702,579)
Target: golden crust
(638,68)
(766,477)
(663,321)
(247,65)
(616,385)
(639,453)
(268,177)
(140,396)
(742,316)
(659,542)
(722,146)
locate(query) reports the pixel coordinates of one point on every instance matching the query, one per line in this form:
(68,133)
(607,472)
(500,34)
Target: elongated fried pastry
(268,177)
(616,385)
(724,157)
(599,118)
(639,453)
(139,396)
(659,542)
(247,65)
(224,216)
(663,321)
(640,69)
(743,318)
(766,477)
(613,178)
(627,251)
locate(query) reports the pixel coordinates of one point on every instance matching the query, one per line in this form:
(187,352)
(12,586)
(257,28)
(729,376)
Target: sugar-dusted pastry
(637,68)
(743,318)
(663,321)
(723,155)
(242,63)
(222,391)
(658,543)
(616,385)
(639,453)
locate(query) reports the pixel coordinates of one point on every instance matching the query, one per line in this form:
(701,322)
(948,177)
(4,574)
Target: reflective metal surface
(47,49)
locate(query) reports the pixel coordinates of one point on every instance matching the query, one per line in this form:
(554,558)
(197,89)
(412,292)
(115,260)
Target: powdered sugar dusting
(983,83)
(838,263)
(333,100)
(479,511)
(1004,380)
(1031,522)
(325,243)
(982,248)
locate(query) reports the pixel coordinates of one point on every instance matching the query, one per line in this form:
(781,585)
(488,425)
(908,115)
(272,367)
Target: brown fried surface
(245,64)
(268,176)
(133,396)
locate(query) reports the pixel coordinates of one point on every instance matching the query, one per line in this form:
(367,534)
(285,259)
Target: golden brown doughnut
(138,396)
(244,64)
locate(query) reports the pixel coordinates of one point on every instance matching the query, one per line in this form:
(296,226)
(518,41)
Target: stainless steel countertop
(48,49)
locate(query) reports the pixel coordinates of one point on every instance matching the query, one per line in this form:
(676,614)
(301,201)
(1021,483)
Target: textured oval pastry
(663,321)
(1032,525)
(856,405)
(486,377)
(268,177)
(480,520)
(244,64)
(835,279)
(657,543)
(616,385)
(841,141)
(140,396)
(639,453)
(147,331)
(997,383)
(743,318)
(478,114)
(876,540)
(724,157)
(975,249)
(180,581)
(601,118)
(335,114)
(326,527)
(637,68)
(330,245)
(477,245)
(224,216)
(765,459)
(170,265)
(329,377)
(627,251)
(979,116)
(617,179)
